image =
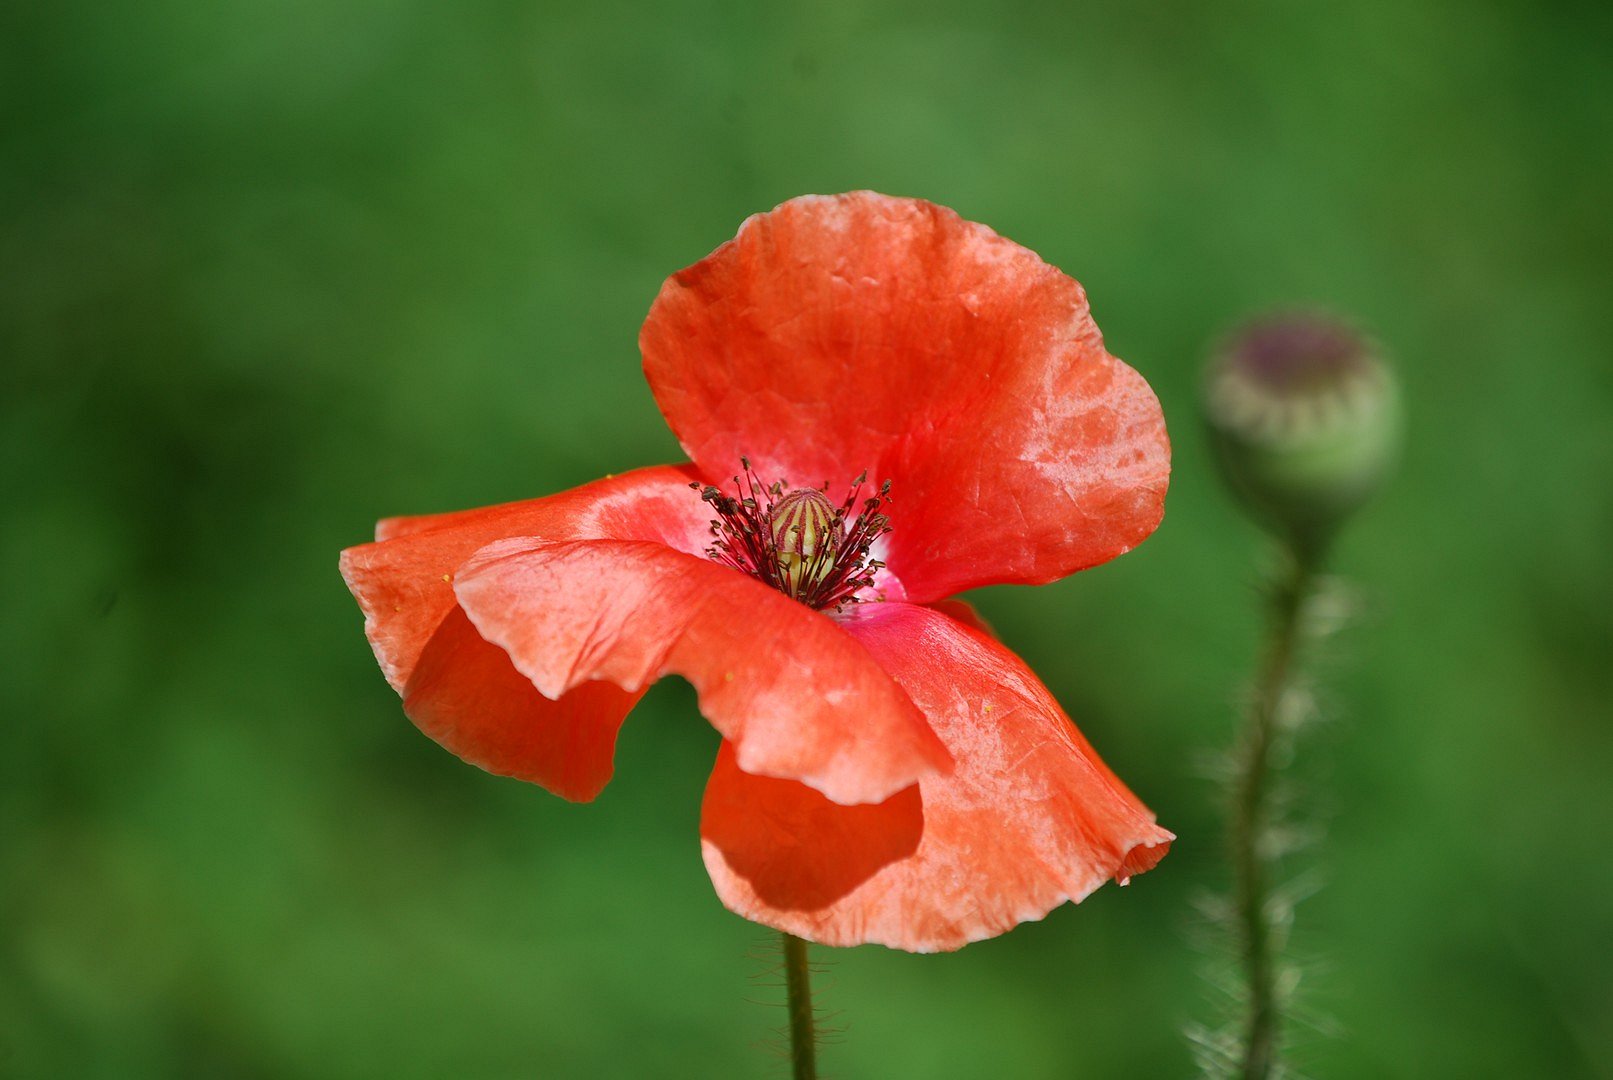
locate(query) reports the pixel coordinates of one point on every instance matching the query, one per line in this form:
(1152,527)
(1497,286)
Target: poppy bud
(1305,418)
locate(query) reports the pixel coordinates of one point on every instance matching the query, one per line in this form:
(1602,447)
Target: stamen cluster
(795,539)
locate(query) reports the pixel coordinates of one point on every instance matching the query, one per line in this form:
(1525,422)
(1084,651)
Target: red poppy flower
(889,771)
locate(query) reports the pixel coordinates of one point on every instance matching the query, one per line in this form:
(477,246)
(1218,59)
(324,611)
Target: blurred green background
(269,271)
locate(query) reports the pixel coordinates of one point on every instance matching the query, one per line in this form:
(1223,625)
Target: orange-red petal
(796,695)
(403,581)
(1027,819)
(795,846)
(466,695)
(864,332)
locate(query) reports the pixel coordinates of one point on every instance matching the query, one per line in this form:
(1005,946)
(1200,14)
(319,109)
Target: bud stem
(1251,813)
(798,988)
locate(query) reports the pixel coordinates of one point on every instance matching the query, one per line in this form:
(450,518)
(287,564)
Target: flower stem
(798,986)
(1251,815)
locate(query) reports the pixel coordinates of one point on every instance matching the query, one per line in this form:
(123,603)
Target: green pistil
(795,540)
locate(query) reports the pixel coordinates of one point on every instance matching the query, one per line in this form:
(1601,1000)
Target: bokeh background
(271,270)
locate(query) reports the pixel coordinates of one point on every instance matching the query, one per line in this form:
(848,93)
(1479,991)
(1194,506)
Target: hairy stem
(798,986)
(1251,814)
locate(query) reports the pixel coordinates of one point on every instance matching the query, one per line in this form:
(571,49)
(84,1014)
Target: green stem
(1250,818)
(798,986)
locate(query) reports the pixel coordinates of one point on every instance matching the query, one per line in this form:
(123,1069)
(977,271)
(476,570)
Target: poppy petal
(403,581)
(856,332)
(465,694)
(797,695)
(797,848)
(1027,819)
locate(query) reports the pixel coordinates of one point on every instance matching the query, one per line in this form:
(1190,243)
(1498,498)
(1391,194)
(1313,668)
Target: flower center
(795,539)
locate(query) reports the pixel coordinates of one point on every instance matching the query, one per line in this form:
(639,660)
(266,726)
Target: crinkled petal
(856,332)
(1027,819)
(796,695)
(794,845)
(403,581)
(466,695)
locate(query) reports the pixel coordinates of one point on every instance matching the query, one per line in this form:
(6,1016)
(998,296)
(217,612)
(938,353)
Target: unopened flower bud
(1306,420)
